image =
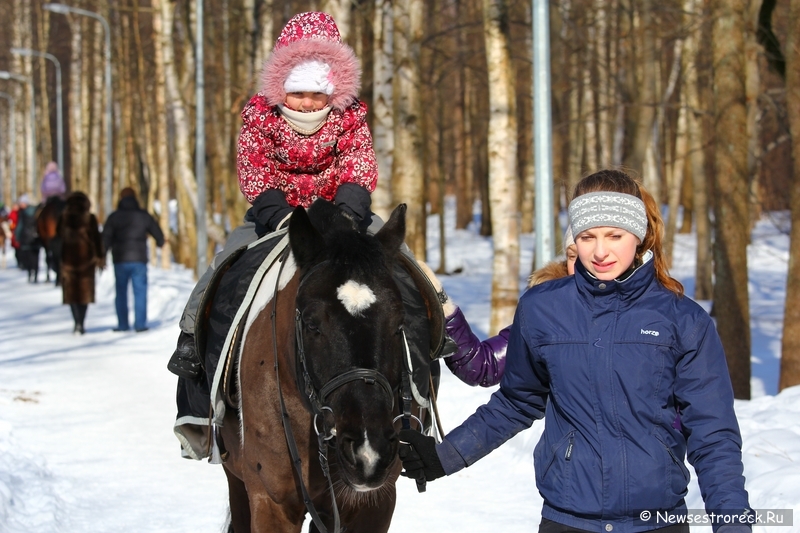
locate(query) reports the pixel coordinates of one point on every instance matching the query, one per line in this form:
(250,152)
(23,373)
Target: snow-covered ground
(86,441)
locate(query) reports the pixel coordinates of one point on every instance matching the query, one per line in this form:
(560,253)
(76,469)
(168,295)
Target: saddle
(222,314)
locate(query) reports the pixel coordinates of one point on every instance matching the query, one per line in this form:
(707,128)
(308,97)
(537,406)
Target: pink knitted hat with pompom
(309,55)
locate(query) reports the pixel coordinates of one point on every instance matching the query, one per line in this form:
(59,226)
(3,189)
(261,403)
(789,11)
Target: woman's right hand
(418,453)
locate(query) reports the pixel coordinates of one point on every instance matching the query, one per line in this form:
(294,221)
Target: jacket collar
(629,289)
(129,202)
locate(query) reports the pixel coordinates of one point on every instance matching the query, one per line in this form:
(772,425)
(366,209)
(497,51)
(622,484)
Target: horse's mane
(346,245)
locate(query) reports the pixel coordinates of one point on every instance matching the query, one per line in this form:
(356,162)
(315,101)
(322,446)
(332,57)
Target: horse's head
(349,329)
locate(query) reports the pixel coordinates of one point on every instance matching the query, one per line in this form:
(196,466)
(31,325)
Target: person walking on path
(28,238)
(125,234)
(52,183)
(82,253)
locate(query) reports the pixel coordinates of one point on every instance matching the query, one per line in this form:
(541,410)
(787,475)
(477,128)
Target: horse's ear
(392,233)
(306,242)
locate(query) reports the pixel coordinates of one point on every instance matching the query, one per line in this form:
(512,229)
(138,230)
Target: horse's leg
(269,516)
(57,270)
(48,263)
(239,505)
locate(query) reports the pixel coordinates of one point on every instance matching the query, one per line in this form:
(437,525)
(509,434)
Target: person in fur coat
(81,255)
(304,136)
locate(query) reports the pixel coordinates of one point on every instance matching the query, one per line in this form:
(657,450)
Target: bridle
(317,398)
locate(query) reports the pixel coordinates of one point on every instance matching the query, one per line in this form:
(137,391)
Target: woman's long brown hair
(612,180)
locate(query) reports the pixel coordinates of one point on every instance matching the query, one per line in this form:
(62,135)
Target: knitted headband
(613,209)
(569,238)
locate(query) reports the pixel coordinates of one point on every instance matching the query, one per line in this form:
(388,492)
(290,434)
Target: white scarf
(305,123)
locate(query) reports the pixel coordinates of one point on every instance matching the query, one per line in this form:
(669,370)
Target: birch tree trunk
(690,91)
(731,300)
(676,166)
(503,183)
(130,139)
(523,84)
(264,37)
(183,165)
(162,161)
(43,113)
(96,104)
(77,108)
(642,159)
(790,344)
(464,168)
(142,101)
(623,80)
(752,89)
(407,172)
(588,105)
(340,11)
(702,181)
(577,144)
(21,36)
(382,118)
(602,65)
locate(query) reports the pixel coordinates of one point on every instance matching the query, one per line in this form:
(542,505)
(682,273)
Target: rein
(317,400)
(287,427)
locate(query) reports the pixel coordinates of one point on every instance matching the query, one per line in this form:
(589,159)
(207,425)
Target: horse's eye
(309,322)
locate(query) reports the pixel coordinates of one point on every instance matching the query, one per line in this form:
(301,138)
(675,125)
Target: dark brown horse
(322,384)
(47,225)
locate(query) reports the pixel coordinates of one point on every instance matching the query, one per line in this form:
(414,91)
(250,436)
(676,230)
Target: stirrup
(185,362)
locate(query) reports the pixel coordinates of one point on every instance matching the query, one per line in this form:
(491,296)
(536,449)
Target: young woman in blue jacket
(610,356)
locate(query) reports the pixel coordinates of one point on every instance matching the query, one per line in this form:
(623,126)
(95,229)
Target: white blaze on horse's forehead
(355,297)
(368,456)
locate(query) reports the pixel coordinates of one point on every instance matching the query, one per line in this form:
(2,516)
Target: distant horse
(47,225)
(322,370)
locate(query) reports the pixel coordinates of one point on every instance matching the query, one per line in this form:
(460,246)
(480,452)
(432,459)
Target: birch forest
(699,99)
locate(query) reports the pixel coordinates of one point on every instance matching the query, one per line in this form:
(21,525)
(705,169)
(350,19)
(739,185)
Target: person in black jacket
(125,234)
(27,236)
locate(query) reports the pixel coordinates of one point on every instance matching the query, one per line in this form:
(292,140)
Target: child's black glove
(355,201)
(418,453)
(269,209)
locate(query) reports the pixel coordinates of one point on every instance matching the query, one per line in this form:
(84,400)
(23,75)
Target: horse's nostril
(347,449)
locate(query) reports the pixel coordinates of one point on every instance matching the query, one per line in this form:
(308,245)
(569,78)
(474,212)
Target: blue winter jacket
(609,363)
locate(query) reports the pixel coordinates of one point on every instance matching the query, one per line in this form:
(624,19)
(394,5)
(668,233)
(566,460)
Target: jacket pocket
(561,444)
(553,468)
(678,478)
